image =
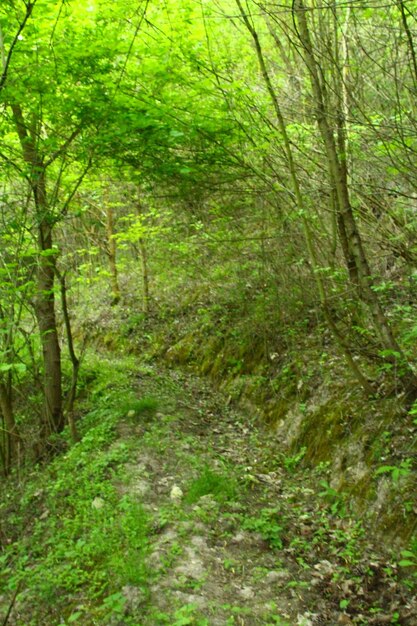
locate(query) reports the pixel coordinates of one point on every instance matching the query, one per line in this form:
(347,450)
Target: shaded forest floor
(175,509)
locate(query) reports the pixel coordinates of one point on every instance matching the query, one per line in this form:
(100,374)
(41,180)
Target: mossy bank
(306,396)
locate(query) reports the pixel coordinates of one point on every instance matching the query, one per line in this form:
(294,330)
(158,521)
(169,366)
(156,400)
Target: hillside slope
(177,509)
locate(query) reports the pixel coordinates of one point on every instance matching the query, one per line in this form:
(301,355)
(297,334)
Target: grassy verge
(70,542)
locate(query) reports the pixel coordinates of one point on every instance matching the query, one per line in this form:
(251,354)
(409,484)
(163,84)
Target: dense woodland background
(226,184)
(255,162)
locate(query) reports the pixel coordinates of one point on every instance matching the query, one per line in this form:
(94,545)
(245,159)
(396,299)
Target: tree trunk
(45,314)
(44,301)
(308,237)
(145,276)
(352,245)
(112,251)
(12,441)
(145,269)
(75,361)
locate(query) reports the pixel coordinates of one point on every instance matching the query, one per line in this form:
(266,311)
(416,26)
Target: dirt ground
(242,535)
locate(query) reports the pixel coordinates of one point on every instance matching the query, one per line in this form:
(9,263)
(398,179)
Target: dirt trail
(239,535)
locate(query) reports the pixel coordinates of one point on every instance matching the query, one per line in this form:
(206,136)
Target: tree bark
(44,301)
(75,361)
(45,315)
(112,253)
(12,440)
(145,268)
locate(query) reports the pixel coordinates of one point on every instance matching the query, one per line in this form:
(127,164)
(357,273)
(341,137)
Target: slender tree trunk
(410,40)
(308,237)
(44,301)
(75,361)
(12,441)
(146,298)
(352,245)
(112,251)
(145,275)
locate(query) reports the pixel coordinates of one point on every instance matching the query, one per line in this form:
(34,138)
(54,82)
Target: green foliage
(165,118)
(186,615)
(413,411)
(221,486)
(334,498)
(409,561)
(267,522)
(396,471)
(84,536)
(277,621)
(291,462)
(142,406)
(105,383)
(113,606)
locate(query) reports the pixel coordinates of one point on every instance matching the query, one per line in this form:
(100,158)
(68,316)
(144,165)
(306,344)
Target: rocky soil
(233,532)
(242,535)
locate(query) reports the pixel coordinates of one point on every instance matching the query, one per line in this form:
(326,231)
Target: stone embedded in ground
(97,503)
(277,576)
(207,502)
(251,538)
(168,536)
(134,599)
(199,542)
(191,566)
(155,560)
(140,487)
(200,602)
(305,619)
(240,537)
(193,525)
(247,593)
(176,494)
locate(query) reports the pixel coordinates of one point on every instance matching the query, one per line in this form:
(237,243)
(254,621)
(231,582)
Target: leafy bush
(214,483)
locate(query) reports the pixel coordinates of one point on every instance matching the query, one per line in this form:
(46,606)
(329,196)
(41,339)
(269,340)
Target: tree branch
(64,146)
(6,59)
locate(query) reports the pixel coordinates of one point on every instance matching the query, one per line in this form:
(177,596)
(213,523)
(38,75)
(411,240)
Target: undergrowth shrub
(75,536)
(220,485)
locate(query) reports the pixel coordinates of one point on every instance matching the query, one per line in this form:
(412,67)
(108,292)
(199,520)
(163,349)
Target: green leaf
(17,367)
(385,469)
(408,553)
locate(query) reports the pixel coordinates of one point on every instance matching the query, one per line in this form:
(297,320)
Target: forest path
(176,509)
(239,535)
(193,473)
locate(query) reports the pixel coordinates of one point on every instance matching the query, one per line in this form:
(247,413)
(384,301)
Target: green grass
(136,408)
(75,541)
(268,522)
(221,486)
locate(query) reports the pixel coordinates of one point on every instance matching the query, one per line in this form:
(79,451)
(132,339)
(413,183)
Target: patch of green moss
(397,523)
(181,352)
(218,366)
(208,355)
(361,491)
(276,410)
(110,341)
(234,386)
(323,429)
